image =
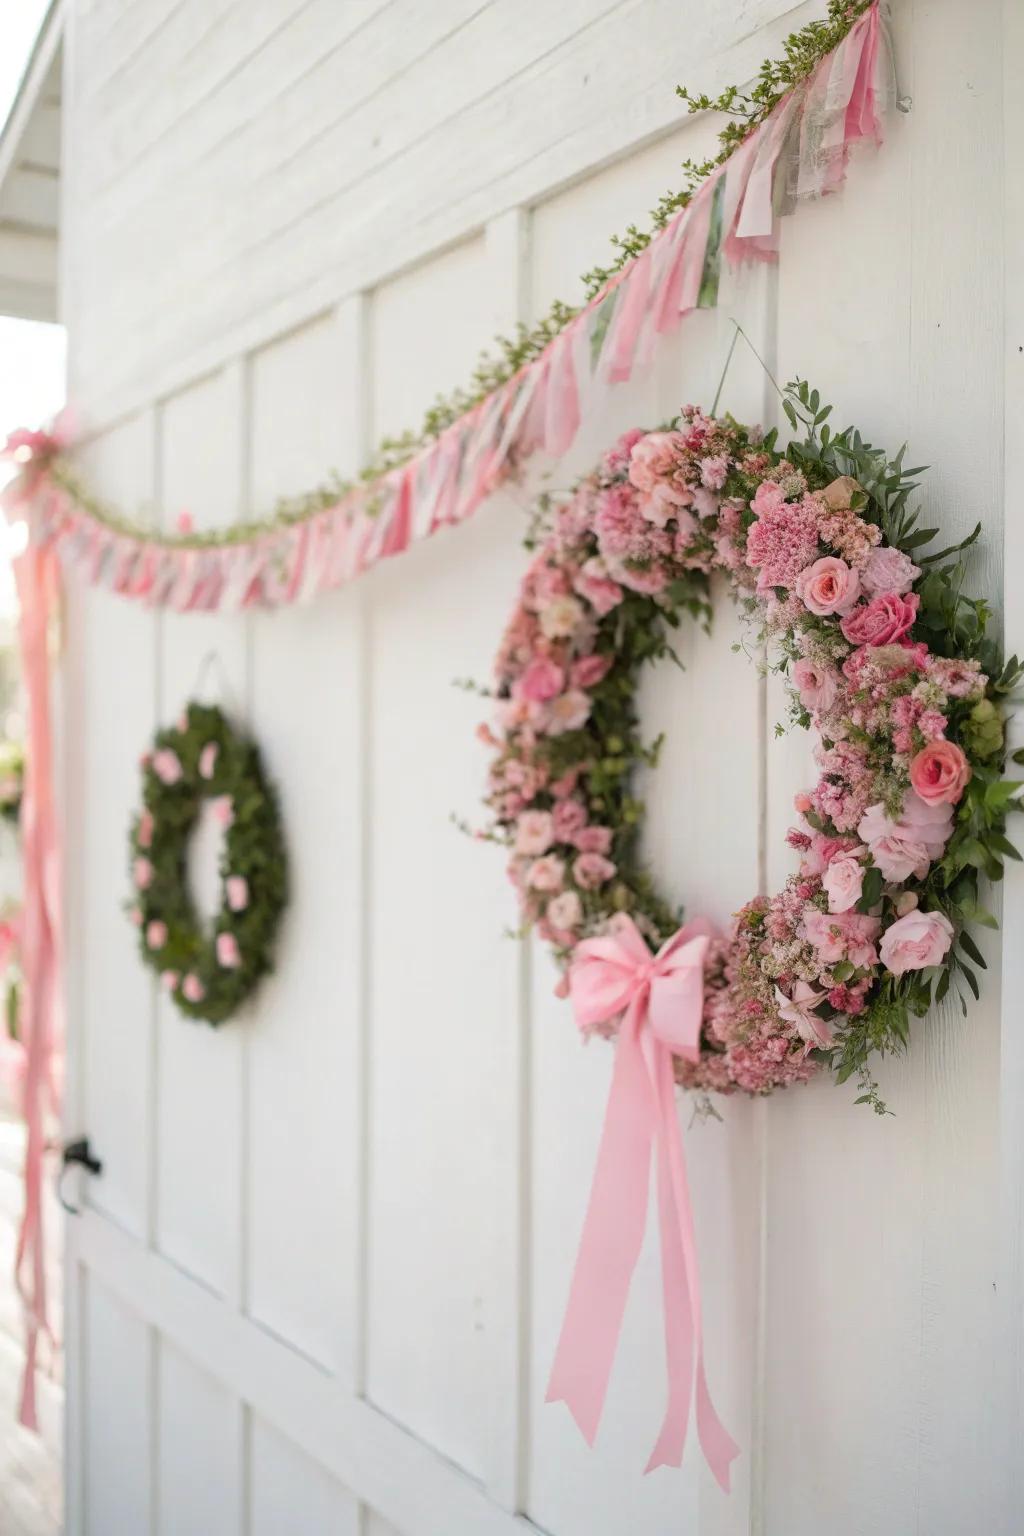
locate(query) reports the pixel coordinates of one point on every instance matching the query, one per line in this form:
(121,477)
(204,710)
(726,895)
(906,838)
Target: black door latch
(76,1152)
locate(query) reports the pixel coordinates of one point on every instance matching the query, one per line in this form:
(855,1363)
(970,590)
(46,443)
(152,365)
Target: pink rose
(228,954)
(208,759)
(798,1010)
(156,934)
(142,874)
(565,911)
(568,712)
(843,881)
(167,766)
(168,980)
(828,586)
(546,874)
(883,621)
(534,833)
(590,670)
(570,817)
(542,680)
(237,888)
(591,870)
(192,988)
(841,936)
(816,685)
(146,829)
(908,846)
(888,570)
(916,941)
(594,839)
(653,458)
(939,773)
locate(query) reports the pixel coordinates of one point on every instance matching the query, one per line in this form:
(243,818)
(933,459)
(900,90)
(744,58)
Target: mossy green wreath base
(209,970)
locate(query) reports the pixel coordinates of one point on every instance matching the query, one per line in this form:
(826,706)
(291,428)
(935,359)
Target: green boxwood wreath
(208,971)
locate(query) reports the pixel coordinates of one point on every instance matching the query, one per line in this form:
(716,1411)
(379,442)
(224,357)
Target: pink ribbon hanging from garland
(660,998)
(36,575)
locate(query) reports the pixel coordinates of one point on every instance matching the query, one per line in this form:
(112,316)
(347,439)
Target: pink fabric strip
(35,575)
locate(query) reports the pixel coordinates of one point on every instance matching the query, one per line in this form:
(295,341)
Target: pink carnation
(714,471)
(782,541)
(156,934)
(237,890)
(192,988)
(145,834)
(841,936)
(142,874)
(655,457)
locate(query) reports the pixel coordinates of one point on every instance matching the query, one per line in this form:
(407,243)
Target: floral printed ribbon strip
(662,999)
(800,151)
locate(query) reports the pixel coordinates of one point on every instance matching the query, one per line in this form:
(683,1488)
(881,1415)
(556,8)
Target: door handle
(76,1152)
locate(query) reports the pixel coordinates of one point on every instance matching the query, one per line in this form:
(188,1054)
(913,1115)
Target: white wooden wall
(318,1286)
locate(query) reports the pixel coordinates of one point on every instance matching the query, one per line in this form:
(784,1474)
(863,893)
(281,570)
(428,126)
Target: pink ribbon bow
(661,998)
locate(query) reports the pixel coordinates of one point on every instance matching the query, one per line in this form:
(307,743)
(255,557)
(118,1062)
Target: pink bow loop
(661,1000)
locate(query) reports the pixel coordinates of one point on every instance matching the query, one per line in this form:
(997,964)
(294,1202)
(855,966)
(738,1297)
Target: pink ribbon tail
(613,1234)
(663,1001)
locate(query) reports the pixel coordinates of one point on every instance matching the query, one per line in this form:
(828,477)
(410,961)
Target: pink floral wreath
(885,658)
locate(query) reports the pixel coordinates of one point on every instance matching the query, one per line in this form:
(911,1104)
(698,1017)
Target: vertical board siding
(372,1183)
(117,714)
(303,1071)
(199,1124)
(118,1471)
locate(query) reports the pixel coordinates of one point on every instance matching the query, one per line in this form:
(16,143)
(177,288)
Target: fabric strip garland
(800,151)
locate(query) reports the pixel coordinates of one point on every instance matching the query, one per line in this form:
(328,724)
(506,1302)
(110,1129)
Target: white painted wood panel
(116,710)
(199,1449)
(435,936)
(117,1486)
(199,1126)
(289,1492)
(304,1051)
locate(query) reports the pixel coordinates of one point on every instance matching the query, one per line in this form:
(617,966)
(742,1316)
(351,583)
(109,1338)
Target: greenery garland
(803,50)
(211,972)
